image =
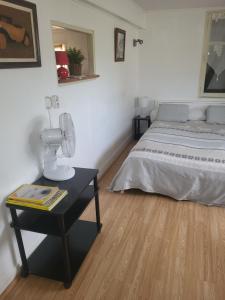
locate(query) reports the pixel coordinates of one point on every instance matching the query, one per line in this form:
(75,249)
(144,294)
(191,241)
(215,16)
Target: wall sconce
(138,41)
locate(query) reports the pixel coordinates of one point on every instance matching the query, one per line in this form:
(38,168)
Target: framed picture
(120,42)
(212,81)
(19,40)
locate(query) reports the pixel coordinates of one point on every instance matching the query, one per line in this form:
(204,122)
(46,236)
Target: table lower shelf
(47,259)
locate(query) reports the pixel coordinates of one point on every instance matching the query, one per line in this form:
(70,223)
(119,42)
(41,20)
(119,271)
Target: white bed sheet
(185,161)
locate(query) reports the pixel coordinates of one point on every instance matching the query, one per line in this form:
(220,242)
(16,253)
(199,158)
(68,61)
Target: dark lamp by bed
(62,60)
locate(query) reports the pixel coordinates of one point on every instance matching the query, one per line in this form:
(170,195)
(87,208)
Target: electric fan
(53,139)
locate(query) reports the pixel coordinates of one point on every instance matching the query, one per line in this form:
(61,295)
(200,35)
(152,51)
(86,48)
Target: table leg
(138,128)
(97,209)
(135,128)
(66,255)
(25,268)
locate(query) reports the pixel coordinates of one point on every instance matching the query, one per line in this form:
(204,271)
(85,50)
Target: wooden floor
(151,247)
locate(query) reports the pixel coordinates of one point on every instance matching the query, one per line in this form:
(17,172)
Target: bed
(185,161)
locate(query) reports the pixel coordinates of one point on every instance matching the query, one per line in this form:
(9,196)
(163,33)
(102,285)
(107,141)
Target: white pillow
(173,112)
(216,114)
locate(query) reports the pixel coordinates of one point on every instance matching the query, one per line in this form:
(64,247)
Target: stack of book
(37,196)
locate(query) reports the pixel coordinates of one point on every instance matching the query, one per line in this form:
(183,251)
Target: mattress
(185,161)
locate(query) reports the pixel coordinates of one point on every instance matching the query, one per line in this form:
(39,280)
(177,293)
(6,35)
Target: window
(213,63)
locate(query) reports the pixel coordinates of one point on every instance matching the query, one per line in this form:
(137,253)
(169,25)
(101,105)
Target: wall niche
(66,38)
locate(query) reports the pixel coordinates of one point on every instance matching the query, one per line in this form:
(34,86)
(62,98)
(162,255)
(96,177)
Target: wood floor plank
(151,248)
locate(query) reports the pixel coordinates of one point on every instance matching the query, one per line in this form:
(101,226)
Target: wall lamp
(138,41)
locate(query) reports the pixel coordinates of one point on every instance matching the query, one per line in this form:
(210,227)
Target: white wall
(171,56)
(102,110)
(126,9)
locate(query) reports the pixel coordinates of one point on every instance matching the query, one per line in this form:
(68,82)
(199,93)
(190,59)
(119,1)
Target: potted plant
(75,59)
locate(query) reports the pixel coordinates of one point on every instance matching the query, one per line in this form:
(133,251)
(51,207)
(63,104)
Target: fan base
(61,173)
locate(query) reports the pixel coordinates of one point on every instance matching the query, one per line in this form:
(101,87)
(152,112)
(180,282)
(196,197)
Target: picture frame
(120,44)
(212,78)
(19,37)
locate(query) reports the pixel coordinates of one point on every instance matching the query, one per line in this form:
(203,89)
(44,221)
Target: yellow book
(36,194)
(48,205)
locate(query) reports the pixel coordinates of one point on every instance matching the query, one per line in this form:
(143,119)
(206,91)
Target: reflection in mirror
(213,65)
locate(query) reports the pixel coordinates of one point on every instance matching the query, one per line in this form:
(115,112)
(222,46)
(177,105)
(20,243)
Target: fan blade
(69,140)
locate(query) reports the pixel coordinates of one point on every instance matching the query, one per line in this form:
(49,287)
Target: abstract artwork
(120,42)
(19,40)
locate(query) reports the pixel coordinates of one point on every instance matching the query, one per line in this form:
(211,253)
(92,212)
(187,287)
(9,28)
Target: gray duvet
(185,161)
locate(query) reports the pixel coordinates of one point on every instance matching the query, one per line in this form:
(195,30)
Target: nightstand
(68,240)
(137,122)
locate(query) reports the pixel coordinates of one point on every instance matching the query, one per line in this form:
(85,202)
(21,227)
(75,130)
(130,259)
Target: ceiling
(173,4)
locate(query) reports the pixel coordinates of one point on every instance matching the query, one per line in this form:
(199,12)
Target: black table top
(75,186)
(138,117)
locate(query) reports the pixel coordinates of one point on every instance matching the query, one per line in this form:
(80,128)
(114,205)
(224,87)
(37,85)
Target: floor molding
(10,286)
(108,161)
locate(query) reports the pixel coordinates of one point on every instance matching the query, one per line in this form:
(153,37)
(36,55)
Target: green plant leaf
(75,56)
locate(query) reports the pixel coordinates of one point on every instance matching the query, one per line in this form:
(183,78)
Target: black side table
(68,240)
(137,125)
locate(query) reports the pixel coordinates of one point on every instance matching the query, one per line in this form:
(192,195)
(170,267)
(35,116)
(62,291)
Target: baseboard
(113,154)
(10,286)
